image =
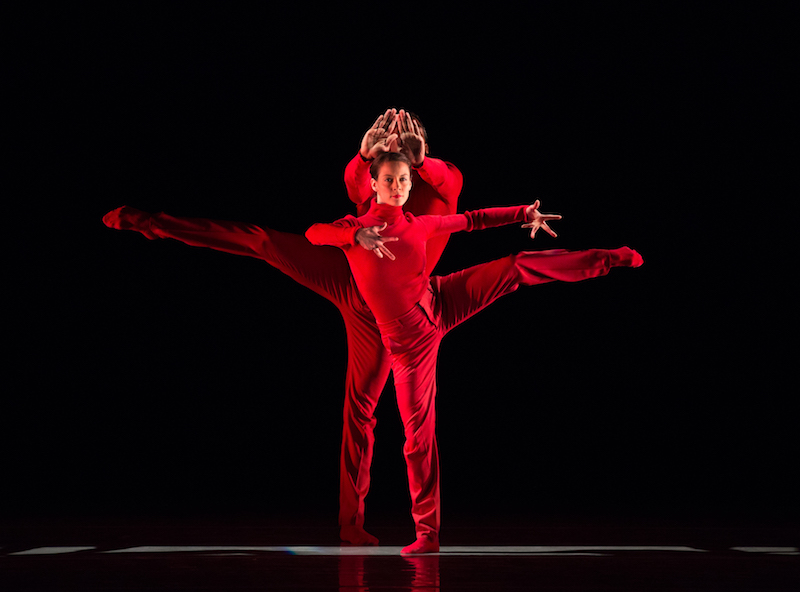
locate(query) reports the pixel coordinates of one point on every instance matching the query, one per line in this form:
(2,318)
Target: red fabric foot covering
(626,257)
(127,218)
(420,546)
(357,536)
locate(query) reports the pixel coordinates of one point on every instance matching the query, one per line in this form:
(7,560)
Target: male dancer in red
(415,311)
(437,185)
(325,271)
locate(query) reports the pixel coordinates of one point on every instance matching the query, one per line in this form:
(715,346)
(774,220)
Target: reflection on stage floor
(219,556)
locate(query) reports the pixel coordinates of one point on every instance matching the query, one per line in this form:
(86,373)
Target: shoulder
(433,162)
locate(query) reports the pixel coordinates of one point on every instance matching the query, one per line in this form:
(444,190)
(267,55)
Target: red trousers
(413,341)
(325,271)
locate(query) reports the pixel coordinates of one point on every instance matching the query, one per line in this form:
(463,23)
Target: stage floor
(234,555)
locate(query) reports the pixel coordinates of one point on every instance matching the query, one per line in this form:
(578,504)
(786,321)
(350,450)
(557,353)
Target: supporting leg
(367,371)
(325,271)
(414,343)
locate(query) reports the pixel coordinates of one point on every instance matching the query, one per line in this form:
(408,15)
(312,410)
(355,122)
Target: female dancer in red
(414,311)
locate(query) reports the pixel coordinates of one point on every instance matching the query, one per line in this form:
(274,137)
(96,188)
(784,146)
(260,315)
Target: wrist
(527,214)
(354,241)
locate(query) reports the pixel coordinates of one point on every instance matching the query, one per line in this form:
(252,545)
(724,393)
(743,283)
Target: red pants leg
(462,294)
(413,341)
(325,271)
(368,367)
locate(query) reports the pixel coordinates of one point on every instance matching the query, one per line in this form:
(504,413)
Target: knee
(359,410)
(419,442)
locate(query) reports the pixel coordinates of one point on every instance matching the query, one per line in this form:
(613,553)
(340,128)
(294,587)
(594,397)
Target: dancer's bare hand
(370,238)
(412,140)
(382,136)
(539,220)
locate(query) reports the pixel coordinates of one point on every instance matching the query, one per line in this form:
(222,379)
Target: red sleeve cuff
(352,235)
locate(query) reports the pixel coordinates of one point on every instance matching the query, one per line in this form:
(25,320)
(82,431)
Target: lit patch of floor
(769,550)
(52,550)
(497,551)
(388,550)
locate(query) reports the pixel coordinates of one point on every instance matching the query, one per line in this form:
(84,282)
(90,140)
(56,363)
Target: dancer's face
(393,184)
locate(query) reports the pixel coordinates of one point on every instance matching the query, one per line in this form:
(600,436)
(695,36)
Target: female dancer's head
(391,178)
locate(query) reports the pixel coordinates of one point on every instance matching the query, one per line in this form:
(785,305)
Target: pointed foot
(626,257)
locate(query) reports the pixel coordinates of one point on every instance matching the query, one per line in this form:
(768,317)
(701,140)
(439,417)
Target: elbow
(470,221)
(312,235)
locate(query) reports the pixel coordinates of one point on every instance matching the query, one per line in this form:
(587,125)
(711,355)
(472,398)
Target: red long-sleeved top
(392,288)
(436,187)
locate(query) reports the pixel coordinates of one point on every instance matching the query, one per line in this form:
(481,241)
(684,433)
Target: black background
(150,378)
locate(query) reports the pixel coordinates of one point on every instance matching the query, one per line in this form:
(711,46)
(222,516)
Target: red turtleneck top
(392,288)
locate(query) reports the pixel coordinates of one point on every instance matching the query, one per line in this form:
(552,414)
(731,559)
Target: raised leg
(460,295)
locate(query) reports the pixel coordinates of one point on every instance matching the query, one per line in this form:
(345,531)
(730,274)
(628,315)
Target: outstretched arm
(348,232)
(341,233)
(490,218)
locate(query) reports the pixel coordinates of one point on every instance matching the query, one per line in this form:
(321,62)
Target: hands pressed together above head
(395,131)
